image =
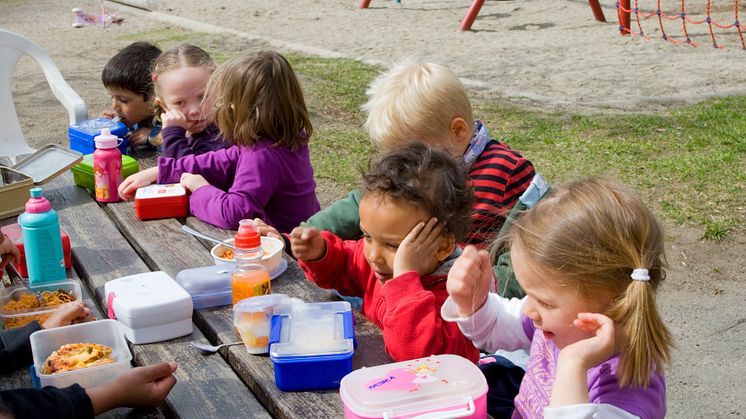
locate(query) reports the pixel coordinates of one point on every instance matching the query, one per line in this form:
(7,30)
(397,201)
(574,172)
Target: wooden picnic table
(109,242)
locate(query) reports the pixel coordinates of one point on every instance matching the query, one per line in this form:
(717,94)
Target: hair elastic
(640,275)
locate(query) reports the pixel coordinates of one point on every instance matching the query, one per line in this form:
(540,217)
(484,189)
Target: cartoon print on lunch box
(407,379)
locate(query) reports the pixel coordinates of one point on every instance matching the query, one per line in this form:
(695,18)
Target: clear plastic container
(104,332)
(252,318)
(16,318)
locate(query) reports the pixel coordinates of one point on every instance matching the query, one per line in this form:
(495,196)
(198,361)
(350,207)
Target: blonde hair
(414,102)
(256,96)
(593,233)
(180,56)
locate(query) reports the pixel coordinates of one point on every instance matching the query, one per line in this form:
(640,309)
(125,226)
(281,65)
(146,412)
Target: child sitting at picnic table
(427,102)
(266,172)
(590,256)
(128,80)
(180,77)
(414,208)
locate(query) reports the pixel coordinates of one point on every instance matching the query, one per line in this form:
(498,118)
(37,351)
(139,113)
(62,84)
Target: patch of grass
(715,231)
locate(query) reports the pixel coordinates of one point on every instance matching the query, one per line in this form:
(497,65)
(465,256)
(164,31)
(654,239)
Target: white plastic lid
(106,139)
(312,329)
(143,300)
(411,387)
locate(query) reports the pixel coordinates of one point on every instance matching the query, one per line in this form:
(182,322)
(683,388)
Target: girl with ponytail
(590,257)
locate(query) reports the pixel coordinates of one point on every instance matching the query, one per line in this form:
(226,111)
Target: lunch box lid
(209,286)
(47,163)
(147,299)
(410,387)
(301,330)
(129,165)
(169,193)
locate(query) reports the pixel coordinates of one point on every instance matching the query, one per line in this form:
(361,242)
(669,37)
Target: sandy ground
(560,59)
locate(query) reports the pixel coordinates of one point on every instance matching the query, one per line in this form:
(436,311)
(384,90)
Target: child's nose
(530,311)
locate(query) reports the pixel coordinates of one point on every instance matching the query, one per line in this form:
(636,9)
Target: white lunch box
(149,307)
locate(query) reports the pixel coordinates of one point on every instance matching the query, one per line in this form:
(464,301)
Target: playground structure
(624,10)
(466,22)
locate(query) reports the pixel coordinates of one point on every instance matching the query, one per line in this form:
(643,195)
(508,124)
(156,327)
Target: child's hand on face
(266,230)
(588,353)
(67,314)
(416,250)
(192,182)
(139,137)
(144,386)
(128,187)
(173,118)
(307,244)
(469,280)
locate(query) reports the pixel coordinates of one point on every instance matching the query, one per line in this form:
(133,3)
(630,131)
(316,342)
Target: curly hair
(428,178)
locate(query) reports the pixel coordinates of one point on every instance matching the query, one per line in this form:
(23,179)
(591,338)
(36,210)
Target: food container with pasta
(19,307)
(272,259)
(99,332)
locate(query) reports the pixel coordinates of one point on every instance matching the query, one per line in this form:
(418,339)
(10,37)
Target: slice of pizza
(74,356)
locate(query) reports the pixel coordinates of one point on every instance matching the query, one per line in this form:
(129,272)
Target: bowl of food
(224,255)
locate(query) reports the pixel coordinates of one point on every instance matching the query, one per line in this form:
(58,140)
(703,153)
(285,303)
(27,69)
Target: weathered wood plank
(206,386)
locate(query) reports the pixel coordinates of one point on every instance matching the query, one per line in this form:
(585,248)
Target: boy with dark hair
(127,78)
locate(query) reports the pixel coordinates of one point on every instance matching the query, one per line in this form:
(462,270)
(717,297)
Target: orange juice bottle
(251,277)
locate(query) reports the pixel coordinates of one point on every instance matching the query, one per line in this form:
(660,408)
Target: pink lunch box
(440,386)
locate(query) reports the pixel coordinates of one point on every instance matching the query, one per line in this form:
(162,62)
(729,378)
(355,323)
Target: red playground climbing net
(624,9)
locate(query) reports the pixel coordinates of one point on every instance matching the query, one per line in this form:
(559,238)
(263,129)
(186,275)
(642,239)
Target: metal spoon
(199,234)
(12,272)
(211,348)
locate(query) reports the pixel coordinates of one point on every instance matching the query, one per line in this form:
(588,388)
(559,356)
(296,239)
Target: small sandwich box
(82,134)
(161,201)
(439,386)
(149,307)
(103,332)
(209,286)
(13,231)
(311,344)
(83,172)
(35,169)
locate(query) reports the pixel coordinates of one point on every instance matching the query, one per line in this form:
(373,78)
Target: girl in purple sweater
(180,77)
(266,172)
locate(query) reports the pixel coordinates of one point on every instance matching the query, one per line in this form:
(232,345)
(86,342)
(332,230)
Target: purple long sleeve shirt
(266,181)
(177,144)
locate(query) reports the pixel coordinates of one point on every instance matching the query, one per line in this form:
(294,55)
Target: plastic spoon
(194,232)
(211,348)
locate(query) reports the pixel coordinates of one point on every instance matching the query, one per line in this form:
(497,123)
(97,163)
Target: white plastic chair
(12,46)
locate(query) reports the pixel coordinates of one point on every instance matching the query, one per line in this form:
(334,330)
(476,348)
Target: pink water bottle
(107,167)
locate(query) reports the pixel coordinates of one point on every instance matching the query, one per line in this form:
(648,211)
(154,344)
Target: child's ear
(445,247)
(460,129)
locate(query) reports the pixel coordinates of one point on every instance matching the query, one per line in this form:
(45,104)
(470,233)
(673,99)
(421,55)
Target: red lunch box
(13,231)
(161,201)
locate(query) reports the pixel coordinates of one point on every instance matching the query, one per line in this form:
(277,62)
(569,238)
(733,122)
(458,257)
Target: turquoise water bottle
(40,228)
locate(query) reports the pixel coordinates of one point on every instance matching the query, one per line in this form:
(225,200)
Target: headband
(640,275)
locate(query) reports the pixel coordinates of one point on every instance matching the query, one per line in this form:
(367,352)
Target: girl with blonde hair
(590,257)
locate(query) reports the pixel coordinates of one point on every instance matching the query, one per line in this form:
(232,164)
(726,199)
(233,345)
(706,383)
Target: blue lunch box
(311,344)
(82,134)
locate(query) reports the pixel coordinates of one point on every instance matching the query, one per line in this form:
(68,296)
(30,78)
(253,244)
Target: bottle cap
(106,139)
(37,204)
(247,237)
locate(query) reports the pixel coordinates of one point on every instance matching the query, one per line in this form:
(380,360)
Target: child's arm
(128,187)
(144,386)
(8,251)
(329,261)
(175,143)
(341,217)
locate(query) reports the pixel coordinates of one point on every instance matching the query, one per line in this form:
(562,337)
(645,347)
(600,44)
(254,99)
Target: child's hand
(192,182)
(8,251)
(144,386)
(174,118)
(469,280)
(417,249)
(67,314)
(139,137)
(307,244)
(594,350)
(128,187)
(266,230)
